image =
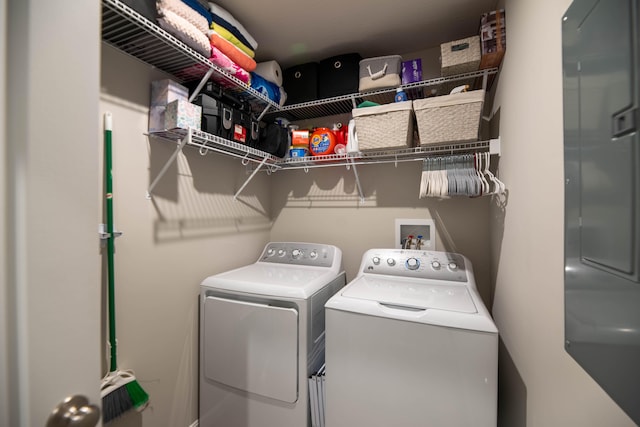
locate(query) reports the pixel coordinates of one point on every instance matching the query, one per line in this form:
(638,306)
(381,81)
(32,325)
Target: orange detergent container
(322,142)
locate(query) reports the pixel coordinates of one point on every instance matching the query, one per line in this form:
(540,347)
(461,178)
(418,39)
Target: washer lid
(417,294)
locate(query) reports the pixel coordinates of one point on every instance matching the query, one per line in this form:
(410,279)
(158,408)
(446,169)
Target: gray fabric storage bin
(387,126)
(449,118)
(460,56)
(380,73)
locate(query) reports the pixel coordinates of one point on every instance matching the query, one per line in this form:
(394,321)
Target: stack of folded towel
(187,20)
(230,38)
(217,35)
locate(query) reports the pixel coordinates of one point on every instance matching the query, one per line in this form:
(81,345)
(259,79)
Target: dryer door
(252,347)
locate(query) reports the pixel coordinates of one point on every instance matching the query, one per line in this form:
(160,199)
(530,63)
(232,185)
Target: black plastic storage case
(338,75)
(211,114)
(301,83)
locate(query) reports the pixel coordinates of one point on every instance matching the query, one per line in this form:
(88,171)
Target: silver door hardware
(74,411)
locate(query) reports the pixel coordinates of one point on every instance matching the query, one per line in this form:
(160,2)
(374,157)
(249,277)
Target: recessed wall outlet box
(422,232)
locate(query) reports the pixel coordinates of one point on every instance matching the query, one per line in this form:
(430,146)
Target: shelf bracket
(494,146)
(181,143)
(355,174)
(264,160)
(264,112)
(198,88)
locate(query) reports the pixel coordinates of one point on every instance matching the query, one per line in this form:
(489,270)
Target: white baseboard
(195,423)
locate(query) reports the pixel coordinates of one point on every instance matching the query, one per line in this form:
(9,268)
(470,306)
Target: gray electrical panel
(602,194)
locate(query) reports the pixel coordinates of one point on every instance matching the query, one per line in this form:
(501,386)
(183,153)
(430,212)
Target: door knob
(74,411)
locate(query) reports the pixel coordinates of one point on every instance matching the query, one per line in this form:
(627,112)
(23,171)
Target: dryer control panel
(416,264)
(312,254)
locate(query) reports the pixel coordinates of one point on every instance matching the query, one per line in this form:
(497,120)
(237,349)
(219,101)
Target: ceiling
(294,32)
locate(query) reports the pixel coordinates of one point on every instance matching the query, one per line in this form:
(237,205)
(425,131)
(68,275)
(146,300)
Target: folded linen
(235,54)
(195,5)
(271,71)
(224,33)
(265,87)
(219,11)
(185,31)
(181,9)
(222,61)
(233,30)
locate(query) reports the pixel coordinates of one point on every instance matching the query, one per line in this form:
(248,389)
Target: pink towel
(221,60)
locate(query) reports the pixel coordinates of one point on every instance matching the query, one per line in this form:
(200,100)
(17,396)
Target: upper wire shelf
(345,103)
(132,33)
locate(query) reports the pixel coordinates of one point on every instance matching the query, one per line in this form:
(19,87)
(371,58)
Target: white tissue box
(166,91)
(182,114)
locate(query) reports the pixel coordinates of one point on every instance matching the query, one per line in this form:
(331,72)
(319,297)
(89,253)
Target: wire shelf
(128,31)
(383,156)
(133,34)
(345,103)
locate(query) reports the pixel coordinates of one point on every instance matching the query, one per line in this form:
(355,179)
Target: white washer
(262,335)
(410,343)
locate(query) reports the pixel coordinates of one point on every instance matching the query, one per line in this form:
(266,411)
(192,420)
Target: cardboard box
(300,138)
(493,38)
(411,71)
(182,114)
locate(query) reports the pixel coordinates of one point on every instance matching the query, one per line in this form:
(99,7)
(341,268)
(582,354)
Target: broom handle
(108,127)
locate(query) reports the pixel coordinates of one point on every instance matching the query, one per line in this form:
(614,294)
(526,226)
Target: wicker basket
(449,118)
(384,126)
(460,56)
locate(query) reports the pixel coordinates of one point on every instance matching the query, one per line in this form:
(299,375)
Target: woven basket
(449,118)
(384,126)
(460,56)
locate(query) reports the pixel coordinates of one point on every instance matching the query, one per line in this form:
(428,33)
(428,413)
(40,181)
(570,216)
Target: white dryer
(410,343)
(262,333)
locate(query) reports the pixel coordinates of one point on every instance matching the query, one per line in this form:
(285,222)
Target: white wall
(540,384)
(191,228)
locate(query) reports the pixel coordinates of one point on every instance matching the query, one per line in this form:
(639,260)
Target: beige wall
(541,385)
(323,205)
(193,227)
(190,229)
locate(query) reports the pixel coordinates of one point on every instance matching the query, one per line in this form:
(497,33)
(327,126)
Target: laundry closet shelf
(387,156)
(132,33)
(345,103)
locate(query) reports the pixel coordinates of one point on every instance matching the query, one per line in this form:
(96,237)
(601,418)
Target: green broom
(120,390)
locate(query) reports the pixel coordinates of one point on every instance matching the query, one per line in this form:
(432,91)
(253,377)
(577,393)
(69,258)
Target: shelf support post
(494,146)
(485,79)
(264,112)
(355,174)
(201,84)
(181,143)
(264,160)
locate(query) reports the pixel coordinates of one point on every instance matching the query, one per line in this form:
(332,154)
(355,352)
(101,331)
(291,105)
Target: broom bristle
(138,396)
(116,403)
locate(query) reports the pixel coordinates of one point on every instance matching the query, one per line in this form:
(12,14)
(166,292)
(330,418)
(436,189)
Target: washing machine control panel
(312,254)
(415,263)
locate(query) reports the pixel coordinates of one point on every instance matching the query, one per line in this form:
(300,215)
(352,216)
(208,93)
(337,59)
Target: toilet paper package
(271,71)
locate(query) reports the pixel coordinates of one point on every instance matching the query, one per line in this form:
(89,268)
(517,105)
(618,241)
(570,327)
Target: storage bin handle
(459,47)
(227,117)
(377,74)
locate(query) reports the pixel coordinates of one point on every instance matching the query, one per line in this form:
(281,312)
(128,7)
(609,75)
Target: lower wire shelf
(261,160)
